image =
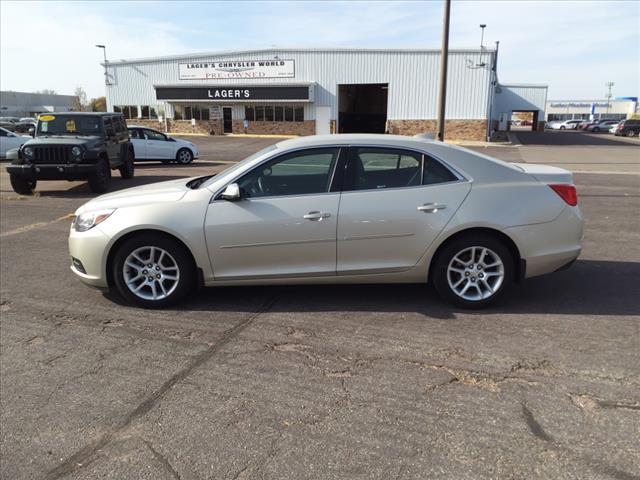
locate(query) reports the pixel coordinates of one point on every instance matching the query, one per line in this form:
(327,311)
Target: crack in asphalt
(27,228)
(80,457)
(162,459)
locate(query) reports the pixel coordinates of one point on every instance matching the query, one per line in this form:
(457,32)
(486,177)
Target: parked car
(334,209)
(614,127)
(10,140)
(9,119)
(150,144)
(565,125)
(25,127)
(10,126)
(73,146)
(628,128)
(601,126)
(28,120)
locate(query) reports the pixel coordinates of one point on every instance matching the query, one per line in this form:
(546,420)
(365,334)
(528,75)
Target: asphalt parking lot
(354,382)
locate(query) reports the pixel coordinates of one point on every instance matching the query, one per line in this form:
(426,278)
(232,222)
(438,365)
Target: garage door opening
(524,120)
(362,108)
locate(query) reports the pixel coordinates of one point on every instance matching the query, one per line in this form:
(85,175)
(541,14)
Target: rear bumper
(52,172)
(550,246)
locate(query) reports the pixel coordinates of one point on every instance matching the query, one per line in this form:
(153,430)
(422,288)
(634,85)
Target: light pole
(609,85)
(104,53)
(442,94)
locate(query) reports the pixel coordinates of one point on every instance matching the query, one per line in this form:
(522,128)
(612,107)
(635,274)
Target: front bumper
(63,171)
(90,248)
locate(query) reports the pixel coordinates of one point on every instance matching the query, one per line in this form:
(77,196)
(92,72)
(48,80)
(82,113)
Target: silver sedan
(334,209)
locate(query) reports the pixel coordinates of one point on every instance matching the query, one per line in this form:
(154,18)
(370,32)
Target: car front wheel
(184,156)
(21,185)
(127,169)
(473,271)
(153,271)
(630,133)
(562,128)
(100,179)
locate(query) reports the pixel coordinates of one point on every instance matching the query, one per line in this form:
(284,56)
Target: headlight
(88,220)
(28,152)
(76,151)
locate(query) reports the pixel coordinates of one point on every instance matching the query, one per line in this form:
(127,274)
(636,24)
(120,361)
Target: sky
(573,46)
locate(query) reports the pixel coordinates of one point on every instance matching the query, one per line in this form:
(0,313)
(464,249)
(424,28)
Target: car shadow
(589,287)
(117,184)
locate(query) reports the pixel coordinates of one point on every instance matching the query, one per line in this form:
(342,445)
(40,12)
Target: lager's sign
(237,69)
(236,93)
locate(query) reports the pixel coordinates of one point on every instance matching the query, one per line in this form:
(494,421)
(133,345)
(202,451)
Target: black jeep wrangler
(73,146)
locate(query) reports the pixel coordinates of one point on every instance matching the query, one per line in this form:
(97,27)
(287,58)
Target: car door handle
(431,207)
(316,215)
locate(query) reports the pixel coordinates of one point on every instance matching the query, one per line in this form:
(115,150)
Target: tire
(184,156)
(22,185)
(99,180)
(171,263)
(128,168)
(596,129)
(630,133)
(563,128)
(486,282)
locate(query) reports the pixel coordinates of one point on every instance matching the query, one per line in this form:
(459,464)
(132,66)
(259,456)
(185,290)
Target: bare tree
(47,91)
(81,102)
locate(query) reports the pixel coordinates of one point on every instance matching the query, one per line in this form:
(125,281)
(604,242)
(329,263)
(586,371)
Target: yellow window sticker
(46,118)
(71,126)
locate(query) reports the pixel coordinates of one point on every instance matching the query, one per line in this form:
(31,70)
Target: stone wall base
(308,127)
(453,129)
(207,127)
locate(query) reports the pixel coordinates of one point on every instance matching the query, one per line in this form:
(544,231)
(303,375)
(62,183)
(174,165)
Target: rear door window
(372,168)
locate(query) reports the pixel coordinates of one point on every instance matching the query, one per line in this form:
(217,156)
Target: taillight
(567,192)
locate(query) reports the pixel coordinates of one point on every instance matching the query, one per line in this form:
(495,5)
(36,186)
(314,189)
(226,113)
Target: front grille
(52,154)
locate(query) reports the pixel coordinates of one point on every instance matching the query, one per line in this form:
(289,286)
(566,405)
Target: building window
(149,112)
(277,113)
(188,112)
(128,111)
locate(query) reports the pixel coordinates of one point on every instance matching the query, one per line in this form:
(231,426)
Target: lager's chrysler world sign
(237,69)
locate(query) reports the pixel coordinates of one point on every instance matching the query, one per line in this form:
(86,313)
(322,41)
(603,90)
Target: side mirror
(231,193)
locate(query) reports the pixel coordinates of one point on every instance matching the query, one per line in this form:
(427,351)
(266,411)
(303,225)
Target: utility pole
(444,56)
(609,85)
(106,73)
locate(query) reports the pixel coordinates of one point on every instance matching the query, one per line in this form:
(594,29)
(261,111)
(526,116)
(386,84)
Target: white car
(566,125)
(334,209)
(10,140)
(614,127)
(602,126)
(150,144)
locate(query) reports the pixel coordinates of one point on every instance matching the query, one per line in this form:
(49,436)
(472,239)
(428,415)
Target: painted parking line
(33,226)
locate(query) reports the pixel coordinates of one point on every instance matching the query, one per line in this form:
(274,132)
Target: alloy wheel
(475,273)
(151,273)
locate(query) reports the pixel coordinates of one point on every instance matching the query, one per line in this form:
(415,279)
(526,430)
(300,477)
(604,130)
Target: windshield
(240,164)
(68,125)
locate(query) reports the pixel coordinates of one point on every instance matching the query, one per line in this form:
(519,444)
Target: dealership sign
(237,69)
(235,93)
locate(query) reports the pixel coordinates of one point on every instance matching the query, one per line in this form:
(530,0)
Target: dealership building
(615,109)
(25,104)
(317,91)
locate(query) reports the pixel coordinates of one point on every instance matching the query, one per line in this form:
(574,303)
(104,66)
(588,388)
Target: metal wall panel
(509,98)
(412,76)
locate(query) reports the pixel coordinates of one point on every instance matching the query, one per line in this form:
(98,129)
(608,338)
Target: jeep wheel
(22,185)
(127,169)
(184,156)
(630,133)
(99,180)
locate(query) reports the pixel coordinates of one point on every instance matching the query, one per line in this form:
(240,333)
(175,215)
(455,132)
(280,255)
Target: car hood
(154,193)
(65,140)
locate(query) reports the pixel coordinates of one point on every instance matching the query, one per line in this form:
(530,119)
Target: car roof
(357,138)
(141,126)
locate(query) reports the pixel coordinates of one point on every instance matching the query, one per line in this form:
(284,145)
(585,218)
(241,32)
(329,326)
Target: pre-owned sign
(234,93)
(237,69)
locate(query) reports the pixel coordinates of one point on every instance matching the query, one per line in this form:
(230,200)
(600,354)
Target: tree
(47,91)
(80,103)
(98,104)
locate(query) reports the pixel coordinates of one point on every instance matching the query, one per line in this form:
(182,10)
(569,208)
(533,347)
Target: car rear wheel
(127,169)
(184,156)
(473,271)
(153,271)
(100,179)
(22,185)
(596,129)
(630,133)
(562,127)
